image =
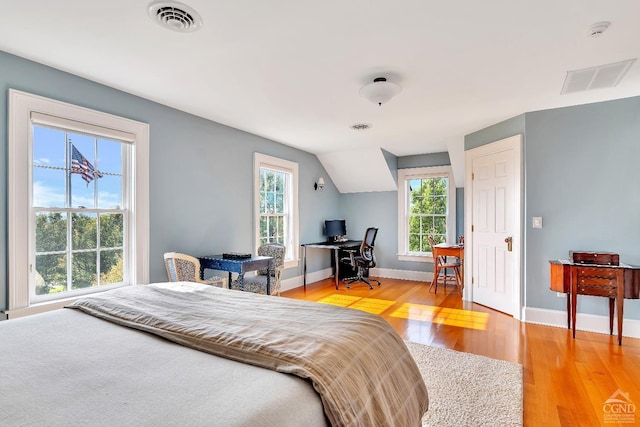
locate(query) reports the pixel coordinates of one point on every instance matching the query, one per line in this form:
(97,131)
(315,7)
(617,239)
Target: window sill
(42,307)
(415,258)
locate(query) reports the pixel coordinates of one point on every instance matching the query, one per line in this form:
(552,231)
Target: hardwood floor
(566,381)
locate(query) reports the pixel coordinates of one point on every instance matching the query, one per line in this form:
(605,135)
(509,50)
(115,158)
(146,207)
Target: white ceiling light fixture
(175,16)
(380,90)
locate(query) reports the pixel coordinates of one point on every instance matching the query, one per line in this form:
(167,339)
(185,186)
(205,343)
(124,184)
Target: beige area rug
(469,390)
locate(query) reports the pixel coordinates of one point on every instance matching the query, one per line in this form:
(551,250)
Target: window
(78,202)
(276,204)
(426,207)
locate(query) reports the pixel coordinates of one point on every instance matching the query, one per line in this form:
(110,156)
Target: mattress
(66,368)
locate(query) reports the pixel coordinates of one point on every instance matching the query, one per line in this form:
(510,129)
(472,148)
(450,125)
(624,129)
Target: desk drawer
(596,281)
(598,291)
(597,272)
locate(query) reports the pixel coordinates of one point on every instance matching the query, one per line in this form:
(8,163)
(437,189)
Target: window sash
(21,248)
(289,212)
(406,235)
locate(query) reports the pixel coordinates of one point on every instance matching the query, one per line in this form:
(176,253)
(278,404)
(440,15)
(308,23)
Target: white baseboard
(296,281)
(584,322)
(421,276)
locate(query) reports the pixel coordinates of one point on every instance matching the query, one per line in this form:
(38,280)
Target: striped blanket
(356,362)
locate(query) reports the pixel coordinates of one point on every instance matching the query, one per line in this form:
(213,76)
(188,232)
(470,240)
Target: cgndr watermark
(619,409)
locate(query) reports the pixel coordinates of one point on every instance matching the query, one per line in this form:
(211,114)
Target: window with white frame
(78,202)
(276,204)
(426,207)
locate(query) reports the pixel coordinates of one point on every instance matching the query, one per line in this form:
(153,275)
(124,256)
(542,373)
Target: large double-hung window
(276,204)
(78,203)
(78,208)
(426,207)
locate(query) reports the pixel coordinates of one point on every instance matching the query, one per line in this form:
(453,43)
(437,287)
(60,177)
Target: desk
(615,282)
(240,266)
(449,249)
(335,247)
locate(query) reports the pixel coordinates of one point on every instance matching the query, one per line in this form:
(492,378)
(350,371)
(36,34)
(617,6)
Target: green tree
(52,250)
(427,212)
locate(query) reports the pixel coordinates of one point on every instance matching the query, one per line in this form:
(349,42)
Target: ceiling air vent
(361,126)
(602,76)
(175,16)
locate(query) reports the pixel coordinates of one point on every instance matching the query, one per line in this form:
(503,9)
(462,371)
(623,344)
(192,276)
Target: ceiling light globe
(380,91)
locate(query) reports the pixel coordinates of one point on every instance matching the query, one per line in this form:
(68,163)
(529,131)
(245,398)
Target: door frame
(514,142)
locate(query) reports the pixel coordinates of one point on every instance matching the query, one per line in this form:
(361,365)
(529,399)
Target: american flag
(80,164)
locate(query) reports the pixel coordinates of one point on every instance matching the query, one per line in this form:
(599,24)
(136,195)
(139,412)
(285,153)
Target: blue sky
(49,150)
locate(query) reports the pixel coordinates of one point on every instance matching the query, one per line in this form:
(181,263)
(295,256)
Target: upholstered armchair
(258,283)
(185,268)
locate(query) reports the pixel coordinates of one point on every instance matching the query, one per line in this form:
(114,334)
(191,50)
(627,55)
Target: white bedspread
(356,361)
(67,368)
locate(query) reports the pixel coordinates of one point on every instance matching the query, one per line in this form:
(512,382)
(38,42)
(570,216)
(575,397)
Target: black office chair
(363,260)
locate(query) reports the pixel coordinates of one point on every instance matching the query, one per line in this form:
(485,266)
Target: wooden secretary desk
(597,274)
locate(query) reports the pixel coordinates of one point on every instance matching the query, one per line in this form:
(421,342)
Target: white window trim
(21,107)
(263,160)
(403,207)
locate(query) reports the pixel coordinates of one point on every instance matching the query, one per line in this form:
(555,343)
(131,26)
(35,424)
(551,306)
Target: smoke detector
(598,28)
(175,16)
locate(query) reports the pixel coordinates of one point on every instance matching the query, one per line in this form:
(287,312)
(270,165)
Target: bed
(190,354)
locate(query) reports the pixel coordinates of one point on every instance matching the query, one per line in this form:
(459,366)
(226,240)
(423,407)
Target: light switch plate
(537,222)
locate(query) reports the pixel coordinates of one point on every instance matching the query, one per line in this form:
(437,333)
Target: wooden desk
(236,265)
(335,247)
(615,282)
(449,249)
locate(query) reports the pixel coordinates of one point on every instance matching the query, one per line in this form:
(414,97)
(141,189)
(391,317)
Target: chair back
(182,267)
(368,243)
(439,259)
(277,252)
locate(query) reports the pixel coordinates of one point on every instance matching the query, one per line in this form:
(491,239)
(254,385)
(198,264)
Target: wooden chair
(258,283)
(440,265)
(186,268)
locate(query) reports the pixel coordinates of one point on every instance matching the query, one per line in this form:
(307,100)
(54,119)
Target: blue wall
(380,209)
(201,172)
(581,176)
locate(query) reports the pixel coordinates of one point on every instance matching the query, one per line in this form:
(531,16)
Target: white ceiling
(291,70)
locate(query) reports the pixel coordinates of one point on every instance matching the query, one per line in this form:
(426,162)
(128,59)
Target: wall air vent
(602,76)
(175,16)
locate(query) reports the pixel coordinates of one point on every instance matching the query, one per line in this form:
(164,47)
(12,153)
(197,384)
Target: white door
(495,225)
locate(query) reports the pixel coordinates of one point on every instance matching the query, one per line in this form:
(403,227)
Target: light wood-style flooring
(566,381)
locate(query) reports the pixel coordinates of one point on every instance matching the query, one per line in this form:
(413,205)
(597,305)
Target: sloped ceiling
(357,171)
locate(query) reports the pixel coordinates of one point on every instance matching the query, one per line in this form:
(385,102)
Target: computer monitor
(335,229)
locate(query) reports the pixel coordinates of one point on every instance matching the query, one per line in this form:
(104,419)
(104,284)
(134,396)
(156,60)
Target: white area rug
(469,390)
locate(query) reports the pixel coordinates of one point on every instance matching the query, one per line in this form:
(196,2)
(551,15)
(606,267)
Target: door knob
(509,242)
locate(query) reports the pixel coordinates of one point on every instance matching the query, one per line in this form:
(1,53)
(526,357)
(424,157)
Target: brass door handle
(509,242)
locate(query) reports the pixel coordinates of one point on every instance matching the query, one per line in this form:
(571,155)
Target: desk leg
(620,302)
(337,271)
(611,306)
(569,310)
(304,267)
(574,299)
(269,279)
